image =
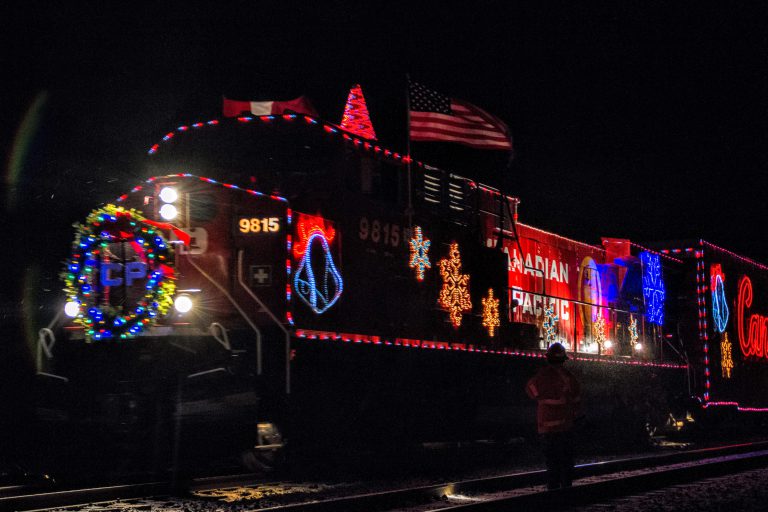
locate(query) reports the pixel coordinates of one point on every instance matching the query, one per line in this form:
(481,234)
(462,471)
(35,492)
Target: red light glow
(753,342)
(308,225)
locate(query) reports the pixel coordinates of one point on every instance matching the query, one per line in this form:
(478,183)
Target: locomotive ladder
(505,212)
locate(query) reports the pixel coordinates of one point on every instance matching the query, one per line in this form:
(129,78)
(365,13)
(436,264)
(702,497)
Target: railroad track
(595,482)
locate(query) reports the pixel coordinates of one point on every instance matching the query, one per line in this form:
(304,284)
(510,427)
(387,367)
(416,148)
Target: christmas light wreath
(86,269)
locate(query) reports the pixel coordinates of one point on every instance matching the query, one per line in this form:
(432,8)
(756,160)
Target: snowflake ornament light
(454,296)
(419,253)
(491,313)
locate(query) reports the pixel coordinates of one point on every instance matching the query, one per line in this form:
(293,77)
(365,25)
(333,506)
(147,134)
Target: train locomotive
(279,281)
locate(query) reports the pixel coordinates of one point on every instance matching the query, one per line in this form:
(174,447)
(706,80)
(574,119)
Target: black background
(630,119)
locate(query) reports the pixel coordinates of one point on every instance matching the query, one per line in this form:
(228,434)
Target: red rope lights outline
(153,179)
(463,347)
(329,128)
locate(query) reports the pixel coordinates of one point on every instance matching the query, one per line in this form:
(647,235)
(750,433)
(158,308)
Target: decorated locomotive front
(177,255)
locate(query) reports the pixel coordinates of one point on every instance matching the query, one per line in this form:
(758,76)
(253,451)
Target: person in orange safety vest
(558,395)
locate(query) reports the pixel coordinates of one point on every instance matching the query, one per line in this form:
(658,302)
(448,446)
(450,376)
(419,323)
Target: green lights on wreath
(142,267)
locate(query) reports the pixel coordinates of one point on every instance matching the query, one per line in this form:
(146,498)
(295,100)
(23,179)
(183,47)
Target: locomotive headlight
(608,344)
(72,309)
(638,346)
(183,303)
(168,212)
(168,194)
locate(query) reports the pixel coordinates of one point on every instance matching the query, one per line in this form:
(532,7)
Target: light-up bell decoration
(491,313)
(719,302)
(317,280)
(419,253)
(454,296)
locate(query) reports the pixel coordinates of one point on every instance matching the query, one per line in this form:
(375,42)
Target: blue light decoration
(719,303)
(653,287)
(90,273)
(318,290)
(419,253)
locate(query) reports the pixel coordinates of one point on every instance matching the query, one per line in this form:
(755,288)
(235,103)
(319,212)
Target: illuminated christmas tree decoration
(454,295)
(317,281)
(491,313)
(356,118)
(550,324)
(719,303)
(726,361)
(419,253)
(599,333)
(653,287)
(143,281)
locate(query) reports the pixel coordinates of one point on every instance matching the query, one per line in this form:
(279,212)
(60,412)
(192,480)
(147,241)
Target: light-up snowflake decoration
(419,253)
(454,296)
(491,313)
(726,361)
(653,287)
(550,324)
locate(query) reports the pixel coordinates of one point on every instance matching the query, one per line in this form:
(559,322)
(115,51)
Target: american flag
(434,117)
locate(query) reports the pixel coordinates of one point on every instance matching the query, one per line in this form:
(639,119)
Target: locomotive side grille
(456,196)
(433,190)
(448,193)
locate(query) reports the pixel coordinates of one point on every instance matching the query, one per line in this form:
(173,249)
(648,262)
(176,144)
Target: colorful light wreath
(88,274)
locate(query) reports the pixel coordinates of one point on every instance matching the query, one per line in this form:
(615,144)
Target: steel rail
(607,490)
(413,497)
(24,500)
(395,498)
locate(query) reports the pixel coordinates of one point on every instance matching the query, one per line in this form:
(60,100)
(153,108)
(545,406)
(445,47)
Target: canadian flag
(300,105)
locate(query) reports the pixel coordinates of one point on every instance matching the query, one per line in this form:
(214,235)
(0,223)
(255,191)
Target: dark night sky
(630,119)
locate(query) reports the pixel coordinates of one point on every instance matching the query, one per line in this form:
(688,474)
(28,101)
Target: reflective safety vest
(558,394)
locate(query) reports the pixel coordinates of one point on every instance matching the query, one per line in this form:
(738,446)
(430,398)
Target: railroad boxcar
(725,327)
(279,278)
